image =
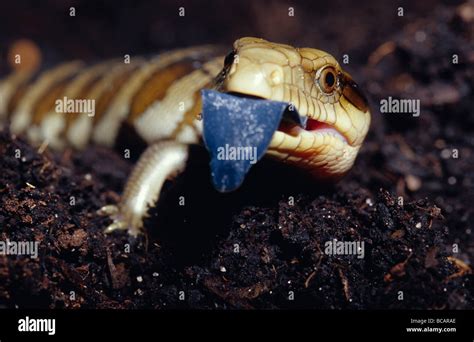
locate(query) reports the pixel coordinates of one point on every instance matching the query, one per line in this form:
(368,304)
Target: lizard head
(334,109)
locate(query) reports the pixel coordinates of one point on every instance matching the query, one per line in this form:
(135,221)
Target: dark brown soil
(255,248)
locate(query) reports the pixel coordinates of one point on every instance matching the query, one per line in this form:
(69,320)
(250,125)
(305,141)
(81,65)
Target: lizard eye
(327,79)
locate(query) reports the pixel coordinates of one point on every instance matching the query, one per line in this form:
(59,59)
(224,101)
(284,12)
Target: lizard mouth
(312,126)
(239,130)
(294,124)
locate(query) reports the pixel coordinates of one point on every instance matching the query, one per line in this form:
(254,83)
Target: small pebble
(466,12)
(445,153)
(420,36)
(413,182)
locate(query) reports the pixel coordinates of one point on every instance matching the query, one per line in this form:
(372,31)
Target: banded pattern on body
(158,96)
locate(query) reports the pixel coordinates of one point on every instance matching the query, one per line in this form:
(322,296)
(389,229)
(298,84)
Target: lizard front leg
(161,161)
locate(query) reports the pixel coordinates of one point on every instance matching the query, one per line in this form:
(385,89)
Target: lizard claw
(116,225)
(121,221)
(108,210)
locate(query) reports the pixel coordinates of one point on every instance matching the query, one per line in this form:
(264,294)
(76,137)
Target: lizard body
(160,98)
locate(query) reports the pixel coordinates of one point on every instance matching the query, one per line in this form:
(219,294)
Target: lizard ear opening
(352,92)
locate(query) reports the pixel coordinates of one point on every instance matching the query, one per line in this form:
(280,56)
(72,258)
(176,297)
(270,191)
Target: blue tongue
(237,132)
